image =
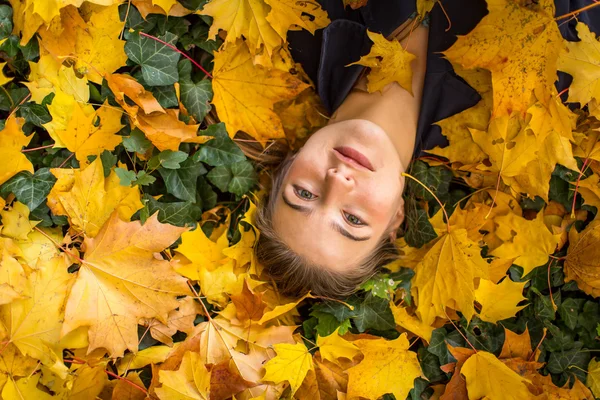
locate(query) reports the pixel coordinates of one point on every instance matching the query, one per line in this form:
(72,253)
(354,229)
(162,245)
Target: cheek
(381,195)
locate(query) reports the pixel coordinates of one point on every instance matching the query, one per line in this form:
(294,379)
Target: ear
(397,220)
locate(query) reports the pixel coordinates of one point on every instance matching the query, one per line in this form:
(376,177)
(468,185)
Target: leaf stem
(58,245)
(554,307)
(459,331)
(37,148)
(577,185)
(434,196)
(179,51)
(66,159)
(577,11)
(538,345)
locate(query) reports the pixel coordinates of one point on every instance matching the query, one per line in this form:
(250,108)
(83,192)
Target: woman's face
(342,192)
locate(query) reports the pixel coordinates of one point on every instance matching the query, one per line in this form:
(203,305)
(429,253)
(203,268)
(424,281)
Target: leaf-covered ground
(127,269)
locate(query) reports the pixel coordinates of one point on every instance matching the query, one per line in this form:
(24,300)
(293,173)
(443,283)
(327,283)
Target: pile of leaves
(127,267)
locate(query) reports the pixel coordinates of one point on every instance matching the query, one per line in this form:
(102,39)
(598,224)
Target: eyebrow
(336,227)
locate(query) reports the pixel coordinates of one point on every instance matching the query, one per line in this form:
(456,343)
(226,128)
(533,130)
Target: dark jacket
(324,55)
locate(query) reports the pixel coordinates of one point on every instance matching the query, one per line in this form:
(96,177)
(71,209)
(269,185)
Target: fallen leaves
(389,62)
(387,367)
(520,46)
(101,295)
(244,94)
(110,299)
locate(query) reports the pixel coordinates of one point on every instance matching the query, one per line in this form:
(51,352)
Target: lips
(353,155)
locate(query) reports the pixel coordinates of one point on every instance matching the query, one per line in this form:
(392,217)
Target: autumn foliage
(127,268)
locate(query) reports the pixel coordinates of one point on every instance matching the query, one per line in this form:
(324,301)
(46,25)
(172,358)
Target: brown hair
(293,274)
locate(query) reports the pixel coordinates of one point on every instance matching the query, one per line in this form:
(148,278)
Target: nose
(340,180)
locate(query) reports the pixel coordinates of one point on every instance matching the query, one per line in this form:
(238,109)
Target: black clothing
(324,55)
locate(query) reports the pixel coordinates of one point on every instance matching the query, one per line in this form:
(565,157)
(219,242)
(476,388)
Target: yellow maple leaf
(287,13)
(48,75)
(150,355)
(488,377)
(166,5)
(445,277)
(552,127)
(581,262)
(49,9)
(181,320)
(582,60)
(589,188)
(489,293)
(389,62)
(201,251)
(146,7)
(25,389)
(190,381)
(292,363)
(508,145)
(519,43)
(16,223)
(282,309)
(94,44)
(12,141)
(244,93)
(388,367)
(425,6)
(516,346)
(14,284)
(34,323)
(88,198)
(124,85)
(411,323)
(3,78)
(25,21)
(334,346)
(120,281)
(264,24)
(529,243)
(165,130)
(85,134)
(91,198)
(593,377)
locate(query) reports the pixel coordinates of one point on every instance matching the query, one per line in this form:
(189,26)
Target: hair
(293,274)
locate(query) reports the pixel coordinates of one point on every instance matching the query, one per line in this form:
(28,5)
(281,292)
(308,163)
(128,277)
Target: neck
(394,109)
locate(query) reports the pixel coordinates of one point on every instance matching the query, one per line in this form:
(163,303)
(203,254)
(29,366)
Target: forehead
(312,237)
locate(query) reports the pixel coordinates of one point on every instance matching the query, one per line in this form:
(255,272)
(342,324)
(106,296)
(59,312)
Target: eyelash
(347,216)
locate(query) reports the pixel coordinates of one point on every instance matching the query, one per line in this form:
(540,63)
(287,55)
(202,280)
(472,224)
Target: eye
(303,193)
(353,219)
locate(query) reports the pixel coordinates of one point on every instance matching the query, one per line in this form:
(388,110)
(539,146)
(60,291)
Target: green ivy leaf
(373,313)
(171,159)
(243,178)
(181,182)
(569,311)
(181,213)
(437,179)
(144,179)
(165,95)
(195,97)
(158,61)
(221,150)
(220,177)
(6,25)
(30,189)
(137,142)
(380,285)
(419,230)
(34,114)
(126,177)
